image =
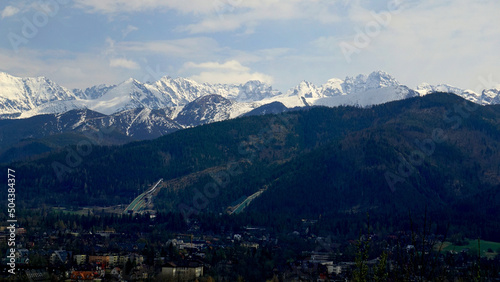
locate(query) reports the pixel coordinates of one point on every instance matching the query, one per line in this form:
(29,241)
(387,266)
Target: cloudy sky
(80,43)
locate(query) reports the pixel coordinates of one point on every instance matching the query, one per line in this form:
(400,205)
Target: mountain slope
(142,111)
(45,133)
(318,161)
(208,108)
(18,95)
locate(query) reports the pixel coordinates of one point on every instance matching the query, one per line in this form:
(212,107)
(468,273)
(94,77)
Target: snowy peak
(380,79)
(126,95)
(206,109)
(26,97)
(143,123)
(362,90)
(375,80)
(491,92)
(306,90)
(178,91)
(426,88)
(490,96)
(361,87)
(32,96)
(333,87)
(38,89)
(255,90)
(18,95)
(93,92)
(487,96)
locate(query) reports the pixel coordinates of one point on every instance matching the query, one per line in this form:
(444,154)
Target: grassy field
(473,247)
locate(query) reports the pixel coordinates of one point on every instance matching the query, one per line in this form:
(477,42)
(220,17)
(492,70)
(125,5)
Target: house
(22,256)
(80,259)
(60,257)
(113,260)
(133,257)
(101,260)
(183,270)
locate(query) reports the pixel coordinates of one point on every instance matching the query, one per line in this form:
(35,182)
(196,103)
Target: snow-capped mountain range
(486,97)
(179,103)
(26,97)
(376,88)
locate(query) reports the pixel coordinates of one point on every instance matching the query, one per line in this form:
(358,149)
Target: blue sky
(80,43)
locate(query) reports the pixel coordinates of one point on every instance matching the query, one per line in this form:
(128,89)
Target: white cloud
(50,8)
(326,43)
(231,72)
(123,63)
(196,47)
(224,15)
(228,66)
(71,70)
(128,30)
(431,41)
(454,37)
(437,42)
(127,6)
(250,14)
(9,11)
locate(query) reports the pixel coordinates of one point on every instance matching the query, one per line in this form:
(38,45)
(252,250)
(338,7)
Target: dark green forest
(437,152)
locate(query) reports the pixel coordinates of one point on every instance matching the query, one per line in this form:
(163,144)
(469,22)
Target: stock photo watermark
(364,37)
(12,220)
(45,10)
(153,74)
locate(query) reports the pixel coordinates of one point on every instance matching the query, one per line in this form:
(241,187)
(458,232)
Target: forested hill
(438,151)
